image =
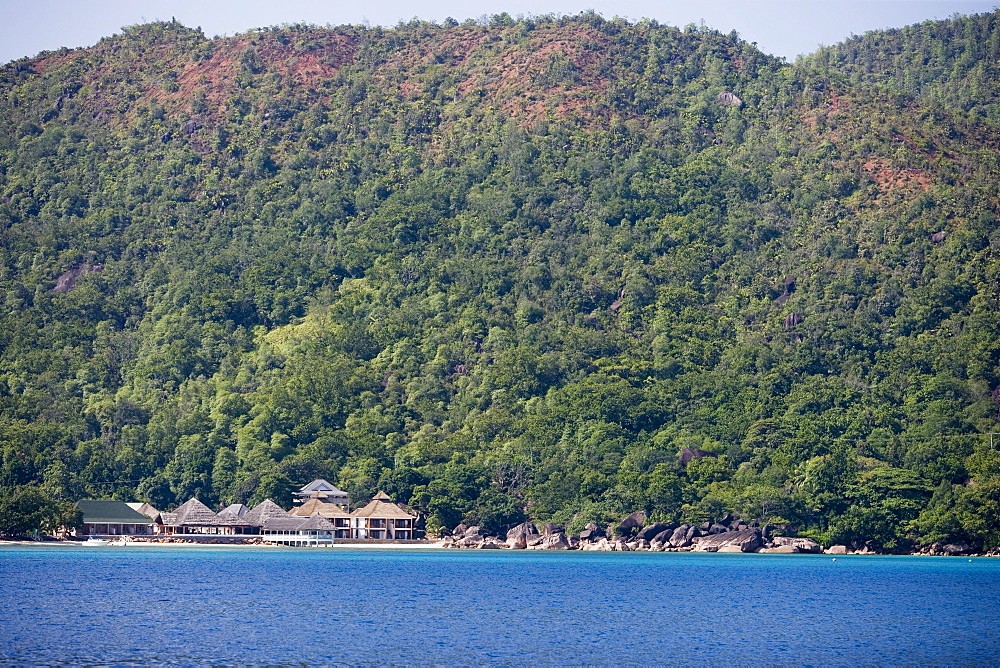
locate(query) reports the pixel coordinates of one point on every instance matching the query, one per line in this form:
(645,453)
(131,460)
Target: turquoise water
(193,606)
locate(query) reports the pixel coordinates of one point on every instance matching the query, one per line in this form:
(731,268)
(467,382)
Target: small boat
(95,542)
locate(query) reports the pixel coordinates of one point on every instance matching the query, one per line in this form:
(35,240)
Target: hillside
(509,269)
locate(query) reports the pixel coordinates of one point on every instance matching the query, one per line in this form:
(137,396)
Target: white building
(341,519)
(382,518)
(322,490)
(298,531)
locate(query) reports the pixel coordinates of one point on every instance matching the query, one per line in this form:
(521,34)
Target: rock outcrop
(678,536)
(592,532)
(555,541)
(954,549)
(801,544)
(619,544)
(661,541)
(68,281)
(517,538)
(687,454)
(599,545)
(729,99)
(747,540)
(650,532)
(727,534)
(630,524)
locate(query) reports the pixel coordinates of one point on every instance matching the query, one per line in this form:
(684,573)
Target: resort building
(261,513)
(340,518)
(144,508)
(298,531)
(192,516)
(113,518)
(323,491)
(230,520)
(321,518)
(382,518)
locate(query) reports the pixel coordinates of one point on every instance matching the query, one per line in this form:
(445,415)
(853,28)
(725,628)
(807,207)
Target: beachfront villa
(342,520)
(298,531)
(230,519)
(382,518)
(113,518)
(320,519)
(192,516)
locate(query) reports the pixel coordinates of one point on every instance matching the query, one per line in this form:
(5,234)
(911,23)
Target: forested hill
(952,63)
(509,269)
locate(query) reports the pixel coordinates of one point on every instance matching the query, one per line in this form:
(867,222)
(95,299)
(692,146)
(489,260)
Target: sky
(780,27)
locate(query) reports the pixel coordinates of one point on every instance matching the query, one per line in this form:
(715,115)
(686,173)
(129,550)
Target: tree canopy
(509,269)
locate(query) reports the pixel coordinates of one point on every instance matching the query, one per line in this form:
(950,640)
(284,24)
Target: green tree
(27,509)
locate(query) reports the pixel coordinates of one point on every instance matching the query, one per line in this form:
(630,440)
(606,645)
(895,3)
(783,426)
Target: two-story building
(338,516)
(382,518)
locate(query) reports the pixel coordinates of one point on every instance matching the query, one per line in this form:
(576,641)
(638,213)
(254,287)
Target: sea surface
(68,605)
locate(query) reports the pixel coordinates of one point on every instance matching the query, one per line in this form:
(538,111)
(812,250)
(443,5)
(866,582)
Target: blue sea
(148,605)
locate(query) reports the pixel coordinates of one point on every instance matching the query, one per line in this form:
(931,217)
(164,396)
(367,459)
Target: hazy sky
(781,27)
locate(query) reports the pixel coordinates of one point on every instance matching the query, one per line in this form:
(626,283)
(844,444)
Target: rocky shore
(634,534)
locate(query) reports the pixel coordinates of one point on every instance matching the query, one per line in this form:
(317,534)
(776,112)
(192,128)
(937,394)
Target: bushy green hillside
(955,64)
(508,269)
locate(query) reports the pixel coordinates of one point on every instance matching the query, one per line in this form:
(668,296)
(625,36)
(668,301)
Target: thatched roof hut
(382,518)
(382,506)
(236,508)
(266,509)
(232,515)
(194,513)
(321,508)
(192,516)
(144,509)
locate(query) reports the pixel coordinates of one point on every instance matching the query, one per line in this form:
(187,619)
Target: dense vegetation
(509,269)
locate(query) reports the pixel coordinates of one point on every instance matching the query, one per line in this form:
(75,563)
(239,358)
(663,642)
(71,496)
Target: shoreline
(437,545)
(197,544)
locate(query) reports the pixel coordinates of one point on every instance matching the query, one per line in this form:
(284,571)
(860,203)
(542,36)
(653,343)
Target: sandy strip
(334,546)
(141,544)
